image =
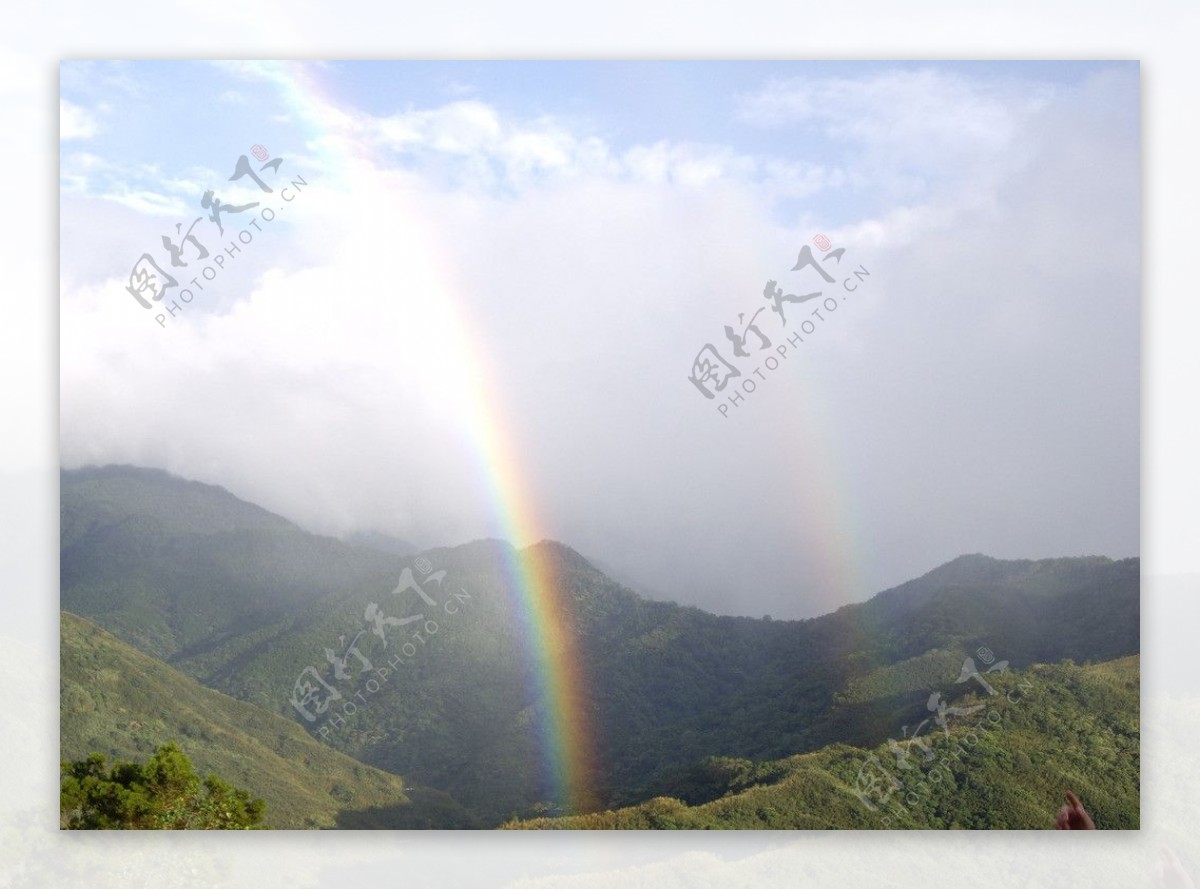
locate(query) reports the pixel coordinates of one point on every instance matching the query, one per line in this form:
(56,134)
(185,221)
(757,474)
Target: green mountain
(169,565)
(1046,729)
(124,704)
(249,604)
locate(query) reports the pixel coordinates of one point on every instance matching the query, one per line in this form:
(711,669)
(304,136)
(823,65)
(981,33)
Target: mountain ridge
(665,685)
(1003,569)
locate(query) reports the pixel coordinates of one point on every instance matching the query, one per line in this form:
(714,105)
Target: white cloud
(462,128)
(148,202)
(75,122)
(914,133)
(141,187)
(494,151)
(909,108)
(339,387)
(490,150)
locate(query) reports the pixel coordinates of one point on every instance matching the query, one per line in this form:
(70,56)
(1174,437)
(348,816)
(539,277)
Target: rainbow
(563,716)
(563,723)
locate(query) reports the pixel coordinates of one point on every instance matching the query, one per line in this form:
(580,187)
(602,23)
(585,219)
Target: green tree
(163,793)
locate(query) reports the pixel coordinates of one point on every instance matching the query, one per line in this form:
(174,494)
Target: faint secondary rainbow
(564,726)
(825,527)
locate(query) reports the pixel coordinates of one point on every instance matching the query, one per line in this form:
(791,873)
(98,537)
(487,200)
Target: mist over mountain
(380,541)
(245,603)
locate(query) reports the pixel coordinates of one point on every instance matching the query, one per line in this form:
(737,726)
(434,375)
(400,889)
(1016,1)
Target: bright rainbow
(564,720)
(563,711)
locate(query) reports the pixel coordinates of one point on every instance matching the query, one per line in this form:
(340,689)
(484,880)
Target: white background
(1162,35)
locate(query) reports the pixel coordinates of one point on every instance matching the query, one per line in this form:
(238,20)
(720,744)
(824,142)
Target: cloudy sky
(478,290)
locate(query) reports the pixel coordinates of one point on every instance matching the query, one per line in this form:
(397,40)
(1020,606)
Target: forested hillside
(250,605)
(1046,730)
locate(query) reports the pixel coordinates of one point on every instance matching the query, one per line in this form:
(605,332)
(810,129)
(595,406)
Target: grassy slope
(119,702)
(1067,727)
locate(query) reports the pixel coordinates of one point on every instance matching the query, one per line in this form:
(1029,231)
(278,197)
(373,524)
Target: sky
(471,302)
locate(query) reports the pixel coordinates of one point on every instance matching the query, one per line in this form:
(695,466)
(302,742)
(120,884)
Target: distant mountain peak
(978,569)
(549,548)
(99,495)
